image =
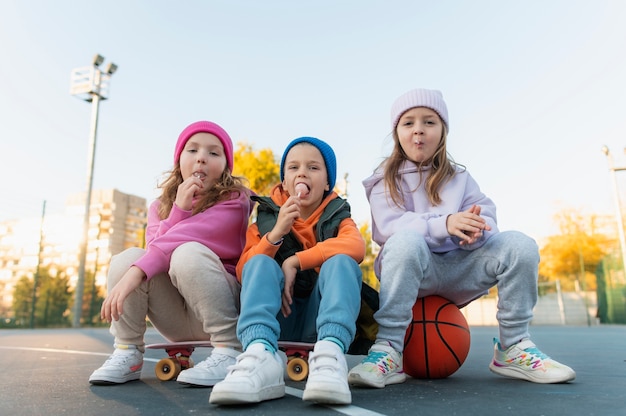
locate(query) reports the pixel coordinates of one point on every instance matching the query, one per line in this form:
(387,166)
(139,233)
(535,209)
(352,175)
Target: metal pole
(36,277)
(80,283)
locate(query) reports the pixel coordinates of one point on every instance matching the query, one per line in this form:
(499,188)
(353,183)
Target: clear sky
(534,90)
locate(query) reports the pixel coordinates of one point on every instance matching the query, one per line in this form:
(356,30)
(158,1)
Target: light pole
(90,83)
(618,209)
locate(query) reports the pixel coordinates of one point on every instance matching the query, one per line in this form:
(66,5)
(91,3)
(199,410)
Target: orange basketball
(438,339)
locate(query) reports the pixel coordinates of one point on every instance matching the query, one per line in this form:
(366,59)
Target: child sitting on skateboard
(184,280)
(300,282)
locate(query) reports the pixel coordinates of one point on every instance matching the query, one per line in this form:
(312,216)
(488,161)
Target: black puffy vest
(327,227)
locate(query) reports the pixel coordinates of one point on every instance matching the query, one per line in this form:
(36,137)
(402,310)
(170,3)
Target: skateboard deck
(179,358)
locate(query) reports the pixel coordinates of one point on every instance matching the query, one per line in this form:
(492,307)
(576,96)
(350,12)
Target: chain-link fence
(611,291)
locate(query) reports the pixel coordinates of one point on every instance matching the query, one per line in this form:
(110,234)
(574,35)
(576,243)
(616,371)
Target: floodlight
(110,68)
(97,60)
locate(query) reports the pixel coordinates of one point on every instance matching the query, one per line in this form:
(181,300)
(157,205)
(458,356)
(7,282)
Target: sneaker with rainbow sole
(525,361)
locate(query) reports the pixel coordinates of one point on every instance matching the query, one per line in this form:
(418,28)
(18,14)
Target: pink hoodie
(221,228)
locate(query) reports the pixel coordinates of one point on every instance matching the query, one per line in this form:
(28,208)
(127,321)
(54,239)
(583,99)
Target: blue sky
(534,90)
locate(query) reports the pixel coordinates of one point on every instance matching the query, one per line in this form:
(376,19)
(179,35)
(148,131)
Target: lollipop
(301,189)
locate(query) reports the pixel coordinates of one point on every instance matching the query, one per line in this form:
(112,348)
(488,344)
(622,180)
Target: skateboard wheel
(167,369)
(297,368)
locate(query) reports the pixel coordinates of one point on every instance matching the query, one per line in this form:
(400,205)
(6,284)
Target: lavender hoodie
(458,194)
(221,228)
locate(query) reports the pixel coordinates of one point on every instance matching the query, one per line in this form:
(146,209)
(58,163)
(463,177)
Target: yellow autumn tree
(258,167)
(367,265)
(574,255)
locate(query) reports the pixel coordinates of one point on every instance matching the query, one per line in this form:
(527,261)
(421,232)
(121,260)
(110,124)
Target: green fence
(611,291)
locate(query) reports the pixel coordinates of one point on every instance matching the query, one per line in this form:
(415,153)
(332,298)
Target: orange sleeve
(348,241)
(255,244)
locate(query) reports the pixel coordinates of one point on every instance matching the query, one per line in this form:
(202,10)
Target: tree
(367,265)
(52,299)
(22,301)
(92,301)
(258,167)
(573,255)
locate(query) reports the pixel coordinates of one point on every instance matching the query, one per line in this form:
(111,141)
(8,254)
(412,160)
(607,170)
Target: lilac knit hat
(432,99)
(205,127)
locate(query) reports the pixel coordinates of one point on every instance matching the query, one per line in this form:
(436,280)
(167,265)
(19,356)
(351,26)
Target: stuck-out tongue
(301,190)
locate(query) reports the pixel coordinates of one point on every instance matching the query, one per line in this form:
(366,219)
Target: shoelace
(375,357)
(537,353)
(381,360)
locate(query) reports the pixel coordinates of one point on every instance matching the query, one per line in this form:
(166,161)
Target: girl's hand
(190,187)
(290,268)
(113,305)
(467,225)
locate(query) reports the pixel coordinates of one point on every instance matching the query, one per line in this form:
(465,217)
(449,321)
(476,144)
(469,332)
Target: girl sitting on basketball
(438,236)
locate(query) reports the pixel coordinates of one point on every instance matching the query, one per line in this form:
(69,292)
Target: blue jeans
(330,311)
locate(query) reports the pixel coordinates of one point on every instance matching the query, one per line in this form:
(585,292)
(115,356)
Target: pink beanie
(205,127)
(432,99)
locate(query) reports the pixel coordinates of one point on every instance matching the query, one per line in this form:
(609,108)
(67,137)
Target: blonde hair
(222,191)
(442,169)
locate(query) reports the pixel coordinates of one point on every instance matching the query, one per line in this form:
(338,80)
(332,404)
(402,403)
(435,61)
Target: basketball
(437,341)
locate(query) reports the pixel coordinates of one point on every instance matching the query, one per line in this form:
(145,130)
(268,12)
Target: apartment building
(117,221)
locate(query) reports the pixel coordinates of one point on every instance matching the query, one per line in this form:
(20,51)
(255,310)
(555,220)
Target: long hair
(222,191)
(442,169)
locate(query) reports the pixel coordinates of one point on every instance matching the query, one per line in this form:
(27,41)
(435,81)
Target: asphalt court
(45,372)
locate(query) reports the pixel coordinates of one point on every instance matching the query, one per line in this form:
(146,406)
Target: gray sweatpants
(410,270)
(197,300)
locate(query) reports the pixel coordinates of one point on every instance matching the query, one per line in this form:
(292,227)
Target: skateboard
(179,358)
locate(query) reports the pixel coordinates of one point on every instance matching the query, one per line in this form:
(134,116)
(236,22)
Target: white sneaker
(122,366)
(526,362)
(257,376)
(210,371)
(328,375)
(381,367)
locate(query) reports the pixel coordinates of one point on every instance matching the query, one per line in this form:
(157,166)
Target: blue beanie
(327,154)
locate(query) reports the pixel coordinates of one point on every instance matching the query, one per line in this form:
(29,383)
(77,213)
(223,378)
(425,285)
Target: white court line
(55,350)
(103,354)
(346,410)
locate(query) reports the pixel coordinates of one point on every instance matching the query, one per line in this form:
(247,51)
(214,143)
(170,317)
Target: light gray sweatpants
(410,270)
(197,300)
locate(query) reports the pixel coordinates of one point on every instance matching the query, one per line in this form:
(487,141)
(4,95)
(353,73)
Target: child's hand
(190,187)
(113,305)
(290,268)
(467,225)
(286,217)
